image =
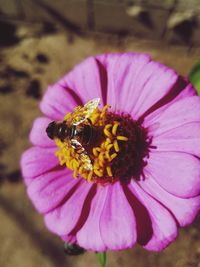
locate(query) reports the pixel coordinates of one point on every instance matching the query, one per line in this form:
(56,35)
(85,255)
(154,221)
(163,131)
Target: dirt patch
(26,69)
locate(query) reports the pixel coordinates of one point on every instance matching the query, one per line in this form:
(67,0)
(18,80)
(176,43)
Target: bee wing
(91,105)
(81,113)
(82,154)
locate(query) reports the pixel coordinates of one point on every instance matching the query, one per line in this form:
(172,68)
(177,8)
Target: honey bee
(77,130)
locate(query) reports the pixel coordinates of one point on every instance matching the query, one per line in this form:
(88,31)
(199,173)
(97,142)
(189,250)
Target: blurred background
(41,40)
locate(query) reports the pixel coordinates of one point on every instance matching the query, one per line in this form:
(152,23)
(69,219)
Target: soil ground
(27,67)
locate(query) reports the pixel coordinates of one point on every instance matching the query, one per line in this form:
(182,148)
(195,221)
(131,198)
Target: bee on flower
(115,158)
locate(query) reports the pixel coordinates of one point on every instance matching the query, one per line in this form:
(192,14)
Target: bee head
(50,130)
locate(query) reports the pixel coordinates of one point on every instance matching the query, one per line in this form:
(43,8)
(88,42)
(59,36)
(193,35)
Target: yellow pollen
(108,141)
(108,169)
(114,128)
(95,151)
(114,155)
(107,155)
(108,126)
(122,138)
(116,146)
(109,147)
(104,110)
(98,173)
(101,156)
(106,130)
(90,176)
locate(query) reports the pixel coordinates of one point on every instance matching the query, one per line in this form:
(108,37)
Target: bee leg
(77,146)
(89,120)
(73,144)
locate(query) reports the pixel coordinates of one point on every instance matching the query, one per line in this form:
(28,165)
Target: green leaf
(102,258)
(194,76)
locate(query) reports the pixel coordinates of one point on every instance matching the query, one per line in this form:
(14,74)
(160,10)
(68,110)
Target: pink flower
(163,192)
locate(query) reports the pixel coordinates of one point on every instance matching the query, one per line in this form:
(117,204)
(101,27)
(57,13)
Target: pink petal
(180,113)
(64,218)
(163,224)
(89,236)
(122,71)
(57,102)
(184,91)
(135,83)
(154,82)
(184,138)
(117,221)
(88,80)
(178,173)
(48,190)
(38,135)
(184,210)
(36,161)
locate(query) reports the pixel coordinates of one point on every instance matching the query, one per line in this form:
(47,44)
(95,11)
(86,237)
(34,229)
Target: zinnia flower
(145,177)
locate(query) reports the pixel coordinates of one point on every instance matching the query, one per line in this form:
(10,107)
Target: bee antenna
(50,130)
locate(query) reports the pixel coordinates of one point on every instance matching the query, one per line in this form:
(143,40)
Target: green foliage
(194,76)
(102,258)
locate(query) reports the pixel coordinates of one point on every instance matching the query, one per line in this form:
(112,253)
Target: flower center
(116,150)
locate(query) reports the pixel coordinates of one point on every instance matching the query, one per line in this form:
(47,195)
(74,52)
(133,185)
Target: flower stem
(101,258)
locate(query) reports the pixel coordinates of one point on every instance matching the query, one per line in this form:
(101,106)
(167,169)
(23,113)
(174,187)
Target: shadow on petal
(85,211)
(143,220)
(76,98)
(103,81)
(178,87)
